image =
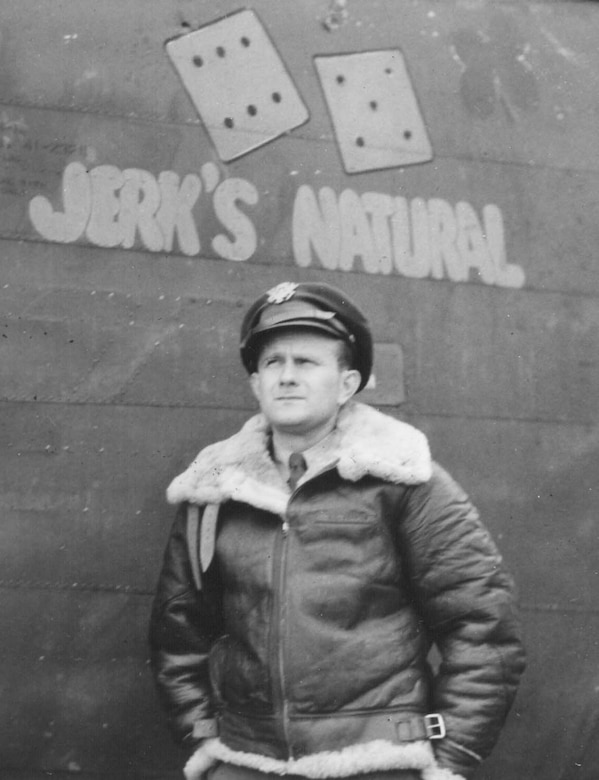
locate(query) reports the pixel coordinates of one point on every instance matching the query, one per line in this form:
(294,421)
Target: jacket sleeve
(466,599)
(183,625)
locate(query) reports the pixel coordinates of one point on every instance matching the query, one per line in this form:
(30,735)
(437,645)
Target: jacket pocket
(337,518)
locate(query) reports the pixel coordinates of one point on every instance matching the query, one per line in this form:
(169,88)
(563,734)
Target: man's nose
(288,372)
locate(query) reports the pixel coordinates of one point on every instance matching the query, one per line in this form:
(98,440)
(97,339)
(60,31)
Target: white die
(374,110)
(238,83)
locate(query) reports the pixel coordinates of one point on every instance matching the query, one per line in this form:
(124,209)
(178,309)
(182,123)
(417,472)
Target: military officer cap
(318,307)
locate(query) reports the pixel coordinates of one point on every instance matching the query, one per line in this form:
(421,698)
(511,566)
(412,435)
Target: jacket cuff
(456,758)
(205,729)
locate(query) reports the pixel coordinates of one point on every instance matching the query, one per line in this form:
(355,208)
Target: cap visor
(317,325)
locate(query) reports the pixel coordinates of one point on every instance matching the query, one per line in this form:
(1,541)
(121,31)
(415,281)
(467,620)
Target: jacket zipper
(279,622)
(277,653)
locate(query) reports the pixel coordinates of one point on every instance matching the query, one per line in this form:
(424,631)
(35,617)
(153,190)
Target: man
(291,631)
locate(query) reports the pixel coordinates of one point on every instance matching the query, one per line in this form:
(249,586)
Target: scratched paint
(372,232)
(496,69)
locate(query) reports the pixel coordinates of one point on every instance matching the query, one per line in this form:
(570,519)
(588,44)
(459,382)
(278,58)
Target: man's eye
(310,361)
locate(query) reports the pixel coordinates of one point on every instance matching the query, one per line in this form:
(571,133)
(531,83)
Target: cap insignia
(282,292)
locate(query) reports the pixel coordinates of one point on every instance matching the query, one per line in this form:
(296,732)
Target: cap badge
(282,292)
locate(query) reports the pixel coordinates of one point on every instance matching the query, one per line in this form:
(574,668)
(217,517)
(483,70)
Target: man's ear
(350,382)
(254,385)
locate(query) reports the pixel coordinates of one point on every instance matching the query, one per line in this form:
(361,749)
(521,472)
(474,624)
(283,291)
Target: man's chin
(290,424)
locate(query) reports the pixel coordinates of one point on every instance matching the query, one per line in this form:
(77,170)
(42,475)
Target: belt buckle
(434,725)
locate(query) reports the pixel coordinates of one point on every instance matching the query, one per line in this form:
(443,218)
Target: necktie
(297,469)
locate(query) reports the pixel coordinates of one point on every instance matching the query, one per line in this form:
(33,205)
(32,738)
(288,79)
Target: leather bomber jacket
(312,629)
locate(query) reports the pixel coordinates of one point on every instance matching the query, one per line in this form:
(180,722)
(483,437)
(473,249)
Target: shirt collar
(319,456)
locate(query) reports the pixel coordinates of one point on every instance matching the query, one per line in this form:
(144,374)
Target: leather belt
(418,727)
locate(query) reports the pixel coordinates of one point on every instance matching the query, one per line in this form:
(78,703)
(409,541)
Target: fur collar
(240,468)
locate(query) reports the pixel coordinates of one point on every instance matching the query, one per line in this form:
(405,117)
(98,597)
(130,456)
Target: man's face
(299,382)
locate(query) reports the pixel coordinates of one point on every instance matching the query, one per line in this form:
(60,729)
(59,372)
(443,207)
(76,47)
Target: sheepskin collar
(240,468)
